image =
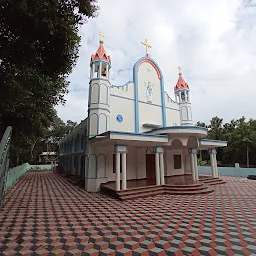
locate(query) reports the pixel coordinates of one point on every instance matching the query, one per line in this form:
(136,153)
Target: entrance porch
(176,185)
(131,161)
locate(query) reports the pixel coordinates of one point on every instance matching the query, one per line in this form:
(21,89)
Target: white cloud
(213,41)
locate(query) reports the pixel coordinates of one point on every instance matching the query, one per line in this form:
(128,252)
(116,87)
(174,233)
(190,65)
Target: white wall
(124,107)
(149,114)
(169,162)
(172,117)
(136,160)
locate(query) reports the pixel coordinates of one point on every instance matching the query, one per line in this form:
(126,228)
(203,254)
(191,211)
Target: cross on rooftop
(146,45)
(101,37)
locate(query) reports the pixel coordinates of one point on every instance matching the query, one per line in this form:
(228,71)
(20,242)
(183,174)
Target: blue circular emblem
(119,118)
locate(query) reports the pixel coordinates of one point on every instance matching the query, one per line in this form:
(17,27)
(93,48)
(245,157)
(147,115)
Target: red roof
(181,84)
(101,54)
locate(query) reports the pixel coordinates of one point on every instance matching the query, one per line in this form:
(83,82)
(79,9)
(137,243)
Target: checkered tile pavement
(45,215)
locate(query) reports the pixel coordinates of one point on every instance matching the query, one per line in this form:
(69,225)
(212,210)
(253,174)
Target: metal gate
(4,162)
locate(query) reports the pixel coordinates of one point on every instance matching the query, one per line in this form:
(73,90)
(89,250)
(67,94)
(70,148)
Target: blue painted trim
(105,164)
(106,109)
(105,121)
(135,79)
(172,108)
(220,141)
(120,145)
(173,101)
(99,78)
(100,60)
(97,121)
(99,93)
(179,127)
(96,157)
(122,97)
(145,134)
(182,90)
(118,86)
(99,103)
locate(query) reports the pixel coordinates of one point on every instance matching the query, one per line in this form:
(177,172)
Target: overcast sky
(213,41)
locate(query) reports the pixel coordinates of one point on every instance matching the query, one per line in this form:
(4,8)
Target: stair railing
(4,162)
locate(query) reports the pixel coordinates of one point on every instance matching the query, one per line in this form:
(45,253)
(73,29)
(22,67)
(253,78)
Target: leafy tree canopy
(241,137)
(39,45)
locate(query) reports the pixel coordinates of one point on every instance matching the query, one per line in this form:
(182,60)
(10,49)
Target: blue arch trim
(135,79)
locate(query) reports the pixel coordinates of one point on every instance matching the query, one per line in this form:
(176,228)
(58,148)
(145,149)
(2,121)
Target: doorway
(150,169)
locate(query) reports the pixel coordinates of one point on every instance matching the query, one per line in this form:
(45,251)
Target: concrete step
(144,192)
(217,182)
(141,195)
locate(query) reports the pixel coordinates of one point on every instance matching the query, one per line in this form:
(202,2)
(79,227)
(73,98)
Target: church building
(135,134)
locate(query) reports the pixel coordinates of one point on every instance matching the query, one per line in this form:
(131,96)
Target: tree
(39,45)
(241,137)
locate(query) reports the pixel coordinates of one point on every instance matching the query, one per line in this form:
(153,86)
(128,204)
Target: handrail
(4,161)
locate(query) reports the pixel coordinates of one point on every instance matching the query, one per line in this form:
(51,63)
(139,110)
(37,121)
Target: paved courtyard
(45,215)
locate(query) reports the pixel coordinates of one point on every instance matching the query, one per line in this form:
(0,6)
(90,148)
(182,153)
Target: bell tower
(99,91)
(182,96)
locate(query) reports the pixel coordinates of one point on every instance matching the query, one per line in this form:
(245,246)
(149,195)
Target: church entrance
(150,169)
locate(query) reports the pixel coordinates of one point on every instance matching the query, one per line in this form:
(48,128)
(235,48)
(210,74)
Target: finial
(179,68)
(147,46)
(101,37)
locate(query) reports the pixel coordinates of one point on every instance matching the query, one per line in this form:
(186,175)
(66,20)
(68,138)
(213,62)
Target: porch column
(159,165)
(117,171)
(213,159)
(157,168)
(193,159)
(121,151)
(162,168)
(124,181)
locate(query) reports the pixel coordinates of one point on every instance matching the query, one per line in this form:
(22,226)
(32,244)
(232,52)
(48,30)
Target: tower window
(104,72)
(183,97)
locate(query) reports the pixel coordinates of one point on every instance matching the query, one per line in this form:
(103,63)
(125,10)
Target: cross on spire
(146,45)
(101,37)
(179,68)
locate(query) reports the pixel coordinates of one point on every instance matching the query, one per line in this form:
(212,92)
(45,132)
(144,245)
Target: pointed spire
(181,84)
(101,53)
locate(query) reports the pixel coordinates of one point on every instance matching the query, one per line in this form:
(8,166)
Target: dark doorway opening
(150,169)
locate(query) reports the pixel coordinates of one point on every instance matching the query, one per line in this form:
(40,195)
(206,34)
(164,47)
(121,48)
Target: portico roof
(197,131)
(206,144)
(128,138)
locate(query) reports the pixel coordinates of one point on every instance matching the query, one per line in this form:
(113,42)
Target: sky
(214,42)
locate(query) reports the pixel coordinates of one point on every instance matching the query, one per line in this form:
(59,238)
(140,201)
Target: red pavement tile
(44,214)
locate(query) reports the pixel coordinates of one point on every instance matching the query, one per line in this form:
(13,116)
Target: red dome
(181,84)
(101,54)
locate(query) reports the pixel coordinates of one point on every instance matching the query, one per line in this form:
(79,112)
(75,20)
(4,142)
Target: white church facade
(135,131)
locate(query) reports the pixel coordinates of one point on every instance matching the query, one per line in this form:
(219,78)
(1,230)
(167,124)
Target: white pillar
(124,181)
(157,168)
(216,174)
(162,168)
(117,171)
(196,167)
(192,166)
(100,69)
(213,163)
(93,70)
(107,72)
